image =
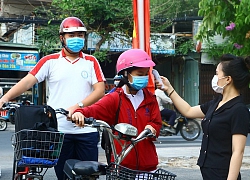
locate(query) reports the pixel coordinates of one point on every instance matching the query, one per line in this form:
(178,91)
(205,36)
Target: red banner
(135,40)
(136,36)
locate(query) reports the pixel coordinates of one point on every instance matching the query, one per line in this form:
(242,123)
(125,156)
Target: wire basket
(37,148)
(118,172)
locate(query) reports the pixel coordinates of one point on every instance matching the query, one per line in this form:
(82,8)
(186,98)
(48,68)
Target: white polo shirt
(69,82)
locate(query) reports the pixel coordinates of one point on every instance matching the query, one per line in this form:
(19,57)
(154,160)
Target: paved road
(175,154)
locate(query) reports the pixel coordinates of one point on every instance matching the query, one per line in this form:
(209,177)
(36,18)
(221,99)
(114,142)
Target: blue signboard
(18,60)
(160,43)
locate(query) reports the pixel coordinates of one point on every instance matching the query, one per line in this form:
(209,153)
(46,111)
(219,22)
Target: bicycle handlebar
(145,133)
(126,148)
(62,111)
(9,105)
(92,122)
(87,121)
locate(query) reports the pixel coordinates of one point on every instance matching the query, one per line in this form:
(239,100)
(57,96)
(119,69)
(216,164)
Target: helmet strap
(125,80)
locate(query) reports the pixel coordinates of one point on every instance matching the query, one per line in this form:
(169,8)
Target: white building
(12,14)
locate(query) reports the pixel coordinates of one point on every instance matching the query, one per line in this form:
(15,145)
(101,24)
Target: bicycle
(36,150)
(91,170)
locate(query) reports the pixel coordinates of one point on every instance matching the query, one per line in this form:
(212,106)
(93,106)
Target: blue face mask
(75,44)
(139,82)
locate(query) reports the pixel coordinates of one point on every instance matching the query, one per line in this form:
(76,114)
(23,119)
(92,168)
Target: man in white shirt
(74,80)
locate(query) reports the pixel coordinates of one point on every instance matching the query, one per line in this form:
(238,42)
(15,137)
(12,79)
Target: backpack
(27,116)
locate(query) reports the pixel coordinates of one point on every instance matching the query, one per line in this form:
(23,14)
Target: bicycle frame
(118,158)
(126,136)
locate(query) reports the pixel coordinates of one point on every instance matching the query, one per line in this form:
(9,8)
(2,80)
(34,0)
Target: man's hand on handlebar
(78,119)
(2,102)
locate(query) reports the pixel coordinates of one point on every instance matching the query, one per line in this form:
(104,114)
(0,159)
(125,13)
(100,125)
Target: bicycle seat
(77,167)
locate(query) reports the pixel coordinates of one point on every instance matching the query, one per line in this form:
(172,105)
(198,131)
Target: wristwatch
(80,104)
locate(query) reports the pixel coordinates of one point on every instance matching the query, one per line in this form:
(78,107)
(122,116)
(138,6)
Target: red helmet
(72,24)
(133,58)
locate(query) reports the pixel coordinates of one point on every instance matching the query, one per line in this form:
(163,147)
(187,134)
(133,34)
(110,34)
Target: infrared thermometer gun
(157,77)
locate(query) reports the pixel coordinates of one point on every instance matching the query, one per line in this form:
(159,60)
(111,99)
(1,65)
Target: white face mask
(215,86)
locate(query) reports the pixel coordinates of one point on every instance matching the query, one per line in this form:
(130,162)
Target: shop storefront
(16,60)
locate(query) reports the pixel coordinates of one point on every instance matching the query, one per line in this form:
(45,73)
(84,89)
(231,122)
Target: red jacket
(147,114)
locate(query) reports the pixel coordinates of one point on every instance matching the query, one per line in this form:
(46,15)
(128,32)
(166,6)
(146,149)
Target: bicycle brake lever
(149,133)
(62,111)
(89,120)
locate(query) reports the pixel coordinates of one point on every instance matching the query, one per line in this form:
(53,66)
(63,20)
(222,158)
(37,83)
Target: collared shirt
(68,83)
(218,128)
(135,99)
(146,114)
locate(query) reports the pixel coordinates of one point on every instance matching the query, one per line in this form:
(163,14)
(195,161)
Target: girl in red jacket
(138,107)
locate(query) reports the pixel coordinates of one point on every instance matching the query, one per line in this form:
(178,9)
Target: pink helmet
(72,24)
(133,58)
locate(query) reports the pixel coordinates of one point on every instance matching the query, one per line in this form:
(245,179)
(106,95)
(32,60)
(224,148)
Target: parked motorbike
(3,123)
(8,110)
(7,113)
(189,128)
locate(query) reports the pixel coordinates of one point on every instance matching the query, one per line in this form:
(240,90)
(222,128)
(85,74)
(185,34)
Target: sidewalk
(187,157)
(182,162)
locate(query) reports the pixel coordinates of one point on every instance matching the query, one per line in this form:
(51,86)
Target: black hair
(128,70)
(237,68)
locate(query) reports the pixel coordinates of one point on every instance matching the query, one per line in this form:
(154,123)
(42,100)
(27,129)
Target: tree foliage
(231,20)
(99,16)
(162,12)
(106,16)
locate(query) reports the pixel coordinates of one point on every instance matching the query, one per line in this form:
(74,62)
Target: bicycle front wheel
(190,130)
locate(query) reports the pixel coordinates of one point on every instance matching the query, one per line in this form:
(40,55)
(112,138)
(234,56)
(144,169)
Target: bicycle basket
(34,147)
(118,172)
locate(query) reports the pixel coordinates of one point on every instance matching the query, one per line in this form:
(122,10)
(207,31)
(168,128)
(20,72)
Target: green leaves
(101,55)
(48,40)
(162,12)
(100,16)
(218,14)
(106,16)
(184,46)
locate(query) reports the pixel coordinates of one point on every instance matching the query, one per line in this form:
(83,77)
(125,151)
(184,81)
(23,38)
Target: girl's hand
(78,119)
(71,110)
(151,128)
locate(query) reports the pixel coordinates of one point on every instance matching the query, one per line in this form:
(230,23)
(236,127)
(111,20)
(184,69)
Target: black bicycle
(38,148)
(91,170)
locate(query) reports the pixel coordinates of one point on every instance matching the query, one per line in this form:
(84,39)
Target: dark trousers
(215,174)
(169,115)
(77,146)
